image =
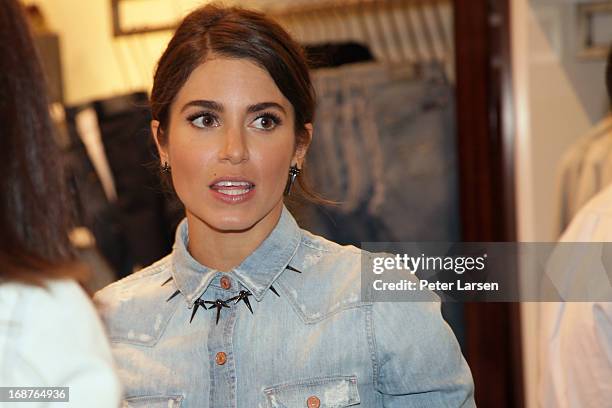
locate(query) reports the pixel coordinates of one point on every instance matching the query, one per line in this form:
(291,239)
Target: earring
(165,168)
(293,173)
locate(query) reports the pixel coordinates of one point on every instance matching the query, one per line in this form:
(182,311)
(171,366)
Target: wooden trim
(119,31)
(485,125)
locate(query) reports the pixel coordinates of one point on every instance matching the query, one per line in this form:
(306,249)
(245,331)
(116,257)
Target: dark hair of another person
(34,243)
(234,32)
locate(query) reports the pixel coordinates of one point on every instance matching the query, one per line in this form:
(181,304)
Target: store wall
(559,97)
(97,65)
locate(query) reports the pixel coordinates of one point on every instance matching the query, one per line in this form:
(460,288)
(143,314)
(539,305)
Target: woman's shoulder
(328,260)
(60,311)
(339,276)
(138,285)
(57,296)
(327,269)
(54,337)
(134,309)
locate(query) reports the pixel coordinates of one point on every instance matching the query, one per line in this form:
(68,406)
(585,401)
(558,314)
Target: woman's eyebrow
(215,106)
(265,105)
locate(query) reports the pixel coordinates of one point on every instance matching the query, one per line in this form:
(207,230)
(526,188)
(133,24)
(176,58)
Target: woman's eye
(205,120)
(266,122)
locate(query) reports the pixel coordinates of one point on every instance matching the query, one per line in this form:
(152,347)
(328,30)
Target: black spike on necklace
(196,304)
(274,290)
(244,296)
(219,304)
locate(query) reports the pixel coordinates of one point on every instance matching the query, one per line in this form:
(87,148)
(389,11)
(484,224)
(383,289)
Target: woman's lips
(233,191)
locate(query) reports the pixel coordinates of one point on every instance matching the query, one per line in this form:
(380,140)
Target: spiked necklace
(219,304)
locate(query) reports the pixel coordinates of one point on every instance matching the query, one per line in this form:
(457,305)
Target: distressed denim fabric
(315,341)
(384,145)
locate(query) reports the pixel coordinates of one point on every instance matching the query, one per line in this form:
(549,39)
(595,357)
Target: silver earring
(165,168)
(293,173)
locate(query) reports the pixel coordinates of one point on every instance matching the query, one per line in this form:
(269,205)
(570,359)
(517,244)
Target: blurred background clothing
(584,171)
(576,337)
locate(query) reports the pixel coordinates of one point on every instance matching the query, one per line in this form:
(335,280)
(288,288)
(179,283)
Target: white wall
(97,65)
(558,98)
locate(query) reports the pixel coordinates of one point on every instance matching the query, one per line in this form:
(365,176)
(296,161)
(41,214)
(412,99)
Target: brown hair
(237,33)
(34,242)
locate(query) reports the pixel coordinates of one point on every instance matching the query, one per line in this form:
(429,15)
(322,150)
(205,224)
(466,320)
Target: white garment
(583,171)
(576,338)
(54,338)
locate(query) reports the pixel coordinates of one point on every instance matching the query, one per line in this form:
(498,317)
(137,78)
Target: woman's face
(230,144)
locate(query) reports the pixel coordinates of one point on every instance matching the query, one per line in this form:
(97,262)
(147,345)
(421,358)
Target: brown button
(221,358)
(226,283)
(313,402)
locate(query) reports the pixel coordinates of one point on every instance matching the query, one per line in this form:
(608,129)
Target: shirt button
(226,283)
(220,358)
(313,402)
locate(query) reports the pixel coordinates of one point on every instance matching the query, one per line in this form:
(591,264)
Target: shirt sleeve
(57,340)
(575,345)
(418,362)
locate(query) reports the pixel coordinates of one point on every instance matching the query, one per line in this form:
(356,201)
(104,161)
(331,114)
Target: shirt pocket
(150,401)
(319,392)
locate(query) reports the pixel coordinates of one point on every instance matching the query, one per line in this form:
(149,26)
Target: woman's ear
(302,148)
(160,142)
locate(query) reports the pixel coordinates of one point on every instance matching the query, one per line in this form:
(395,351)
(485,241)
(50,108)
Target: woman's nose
(233,146)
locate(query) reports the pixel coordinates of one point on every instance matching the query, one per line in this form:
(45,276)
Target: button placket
(220,348)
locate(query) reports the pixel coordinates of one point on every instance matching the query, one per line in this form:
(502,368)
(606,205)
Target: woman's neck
(222,250)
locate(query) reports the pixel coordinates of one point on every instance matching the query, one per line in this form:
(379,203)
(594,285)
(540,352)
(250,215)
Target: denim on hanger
(386,142)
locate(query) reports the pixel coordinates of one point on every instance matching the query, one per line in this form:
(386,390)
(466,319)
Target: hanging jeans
(384,145)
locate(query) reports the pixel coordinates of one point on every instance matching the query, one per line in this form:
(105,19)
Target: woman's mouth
(233,191)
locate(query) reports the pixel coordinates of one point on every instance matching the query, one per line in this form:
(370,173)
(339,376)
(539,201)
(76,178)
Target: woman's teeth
(234,192)
(232,183)
(232,188)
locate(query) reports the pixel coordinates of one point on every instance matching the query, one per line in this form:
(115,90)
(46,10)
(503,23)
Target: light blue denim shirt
(315,344)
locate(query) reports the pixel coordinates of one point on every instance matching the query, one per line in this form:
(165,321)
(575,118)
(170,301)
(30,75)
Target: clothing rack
(397,31)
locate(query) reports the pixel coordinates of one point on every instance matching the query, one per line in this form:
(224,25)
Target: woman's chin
(235,219)
(233,225)
(231,221)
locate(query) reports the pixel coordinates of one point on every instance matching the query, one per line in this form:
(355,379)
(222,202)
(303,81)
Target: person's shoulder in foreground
(416,360)
(584,329)
(593,221)
(53,337)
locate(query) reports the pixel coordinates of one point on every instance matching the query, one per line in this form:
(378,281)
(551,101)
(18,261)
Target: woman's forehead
(231,81)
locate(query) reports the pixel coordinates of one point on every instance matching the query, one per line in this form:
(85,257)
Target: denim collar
(256,273)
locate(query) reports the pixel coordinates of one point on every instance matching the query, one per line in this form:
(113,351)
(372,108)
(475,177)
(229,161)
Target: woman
(249,310)
(50,335)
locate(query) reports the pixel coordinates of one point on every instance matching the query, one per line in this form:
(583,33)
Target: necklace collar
(256,273)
